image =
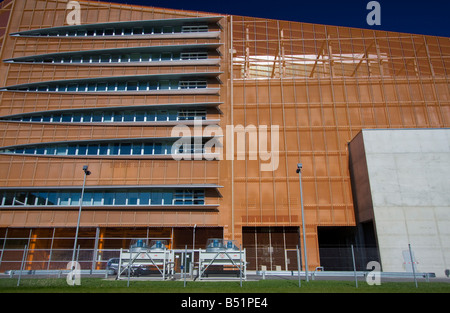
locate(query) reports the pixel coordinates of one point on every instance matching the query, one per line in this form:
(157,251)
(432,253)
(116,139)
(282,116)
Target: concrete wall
(409,175)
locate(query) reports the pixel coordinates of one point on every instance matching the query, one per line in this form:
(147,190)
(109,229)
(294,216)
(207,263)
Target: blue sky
(430,17)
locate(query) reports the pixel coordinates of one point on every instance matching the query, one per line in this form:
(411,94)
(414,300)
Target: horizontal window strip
(137,29)
(102,197)
(118,148)
(113,116)
(158,83)
(113,86)
(111,58)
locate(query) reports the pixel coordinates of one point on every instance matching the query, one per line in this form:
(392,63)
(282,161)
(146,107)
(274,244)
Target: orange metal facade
(319,84)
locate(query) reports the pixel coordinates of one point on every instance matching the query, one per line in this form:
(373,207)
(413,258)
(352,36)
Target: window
(108,198)
(193,55)
(61,150)
(115,58)
(135,57)
(76,59)
(158,148)
(167,29)
(97,116)
(140,116)
(97,198)
(162,115)
(52,198)
(41,198)
(194,28)
(125,149)
(114,149)
(31,198)
(192,84)
(103,149)
(189,197)
(148,148)
(105,58)
(91,87)
(162,147)
(8,198)
(121,86)
(164,85)
(120,198)
(64,198)
(166,56)
(184,114)
(153,85)
(95,59)
(87,198)
(143,196)
(143,86)
(72,150)
(66,118)
(136,84)
(137,149)
(75,198)
(48,150)
(156,198)
(132,86)
(82,150)
(92,150)
(101,86)
(133,198)
(167,197)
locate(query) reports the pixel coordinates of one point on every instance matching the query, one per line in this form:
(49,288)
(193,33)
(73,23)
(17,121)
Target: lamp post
(86,172)
(299,172)
(193,237)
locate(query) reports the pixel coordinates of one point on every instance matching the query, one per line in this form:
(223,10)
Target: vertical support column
(354,267)
(22,265)
(51,249)
(298,265)
(412,264)
(4,245)
(95,251)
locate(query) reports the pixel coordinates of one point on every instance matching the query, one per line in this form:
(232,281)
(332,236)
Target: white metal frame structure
(136,258)
(228,256)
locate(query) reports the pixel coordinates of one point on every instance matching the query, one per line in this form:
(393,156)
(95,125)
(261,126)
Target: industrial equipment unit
(142,259)
(221,258)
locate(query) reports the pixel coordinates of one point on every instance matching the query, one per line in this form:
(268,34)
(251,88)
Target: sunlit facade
(108,93)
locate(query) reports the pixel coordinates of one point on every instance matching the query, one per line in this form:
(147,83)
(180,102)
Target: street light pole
(299,172)
(193,237)
(86,172)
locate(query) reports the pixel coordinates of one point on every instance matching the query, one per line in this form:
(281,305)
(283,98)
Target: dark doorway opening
(335,247)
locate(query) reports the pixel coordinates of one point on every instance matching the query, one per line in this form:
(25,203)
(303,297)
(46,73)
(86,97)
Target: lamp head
(299,167)
(85,169)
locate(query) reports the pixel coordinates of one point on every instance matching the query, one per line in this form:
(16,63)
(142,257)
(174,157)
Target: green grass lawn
(98,285)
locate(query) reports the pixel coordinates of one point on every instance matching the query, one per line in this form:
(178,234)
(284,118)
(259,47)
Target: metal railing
(54,259)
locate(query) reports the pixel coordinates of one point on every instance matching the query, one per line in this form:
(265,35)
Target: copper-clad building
(108,91)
